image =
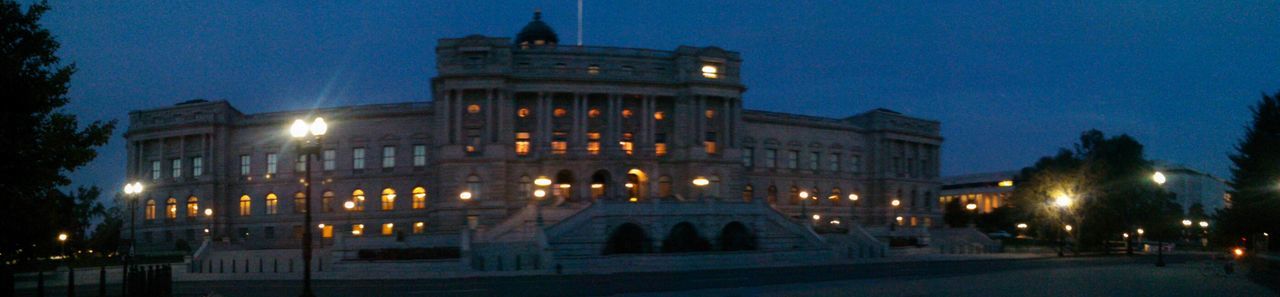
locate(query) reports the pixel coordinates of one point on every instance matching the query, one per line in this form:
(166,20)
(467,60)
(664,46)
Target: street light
(972,207)
(309,137)
(804,203)
(1063,201)
(853,210)
(1204,235)
(208,213)
(463,198)
(131,192)
(897,219)
(1159,178)
(537,204)
(62,240)
(700,182)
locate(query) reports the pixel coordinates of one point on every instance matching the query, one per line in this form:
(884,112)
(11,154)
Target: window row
(834,162)
(176,168)
(328,160)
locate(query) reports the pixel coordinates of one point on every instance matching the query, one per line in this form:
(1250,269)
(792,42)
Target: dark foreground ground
(1079,276)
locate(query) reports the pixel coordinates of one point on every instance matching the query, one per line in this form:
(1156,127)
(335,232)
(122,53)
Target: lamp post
(349,206)
(1186,227)
(309,137)
(893,225)
(853,210)
(1022,227)
(463,198)
(804,202)
(542,182)
(62,241)
(1063,202)
(1204,235)
(972,208)
(700,183)
(131,191)
(208,213)
(1159,178)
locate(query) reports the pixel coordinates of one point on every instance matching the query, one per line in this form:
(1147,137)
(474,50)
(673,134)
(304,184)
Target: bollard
(71,281)
(102,281)
(40,284)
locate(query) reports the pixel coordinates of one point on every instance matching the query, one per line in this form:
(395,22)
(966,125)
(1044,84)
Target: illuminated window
(593,143)
(560,112)
(357,229)
(710,71)
(626,113)
(388,199)
(522,112)
(1006,183)
(299,202)
(626,143)
(272,203)
(419,198)
(835,196)
(710,143)
(246,206)
(150,210)
(593,69)
(660,149)
(747,192)
(193,207)
(419,227)
(326,201)
(388,229)
(658,115)
(171,208)
(559,142)
(326,231)
(710,113)
(593,113)
(358,197)
(473,109)
(522,143)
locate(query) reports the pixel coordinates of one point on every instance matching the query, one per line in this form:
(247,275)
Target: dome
(536,33)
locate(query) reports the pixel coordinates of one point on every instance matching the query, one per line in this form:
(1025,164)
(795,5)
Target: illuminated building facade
(602,125)
(989,190)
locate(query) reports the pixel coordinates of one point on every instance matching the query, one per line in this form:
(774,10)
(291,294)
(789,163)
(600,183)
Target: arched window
(714,186)
(193,207)
(627,238)
(150,210)
(771,196)
(747,192)
(834,198)
(245,205)
(388,199)
(736,237)
(272,203)
(473,186)
(171,208)
(684,238)
(357,196)
(299,202)
(326,201)
(419,198)
(664,186)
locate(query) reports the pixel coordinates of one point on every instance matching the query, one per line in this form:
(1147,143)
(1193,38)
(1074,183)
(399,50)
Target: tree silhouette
(1255,200)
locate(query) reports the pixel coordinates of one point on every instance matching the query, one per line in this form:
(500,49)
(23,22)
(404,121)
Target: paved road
(964,278)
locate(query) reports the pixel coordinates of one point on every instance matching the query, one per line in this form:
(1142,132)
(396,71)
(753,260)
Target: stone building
(610,128)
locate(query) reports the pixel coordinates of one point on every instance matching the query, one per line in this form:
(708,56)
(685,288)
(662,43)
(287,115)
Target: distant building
(1191,186)
(988,190)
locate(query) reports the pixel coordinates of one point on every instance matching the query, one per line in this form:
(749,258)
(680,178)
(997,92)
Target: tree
(41,142)
(954,215)
(1107,179)
(1255,200)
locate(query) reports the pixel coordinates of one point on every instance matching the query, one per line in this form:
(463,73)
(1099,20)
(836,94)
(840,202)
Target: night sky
(1010,82)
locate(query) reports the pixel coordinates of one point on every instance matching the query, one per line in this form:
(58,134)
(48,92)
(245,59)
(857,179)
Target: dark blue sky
(1010,81)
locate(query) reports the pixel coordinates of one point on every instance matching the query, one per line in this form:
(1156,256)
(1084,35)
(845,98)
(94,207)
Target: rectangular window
(155,170)
(272,161)
(357,229)
(473,141)
(300,164)
(559,143)
(269,232)
(357,158)
(710,143)
(813,160)
(834,163)
(388,229)
(522,143)
(419,155)
(771,158)
(855,163)
(388,156)
(660,144)
(330,159)
(244,165)
(327,231)
(419,227)
(197,166)
(748,157)
(593,143)
(176,167)
(626,143)
(793,159)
